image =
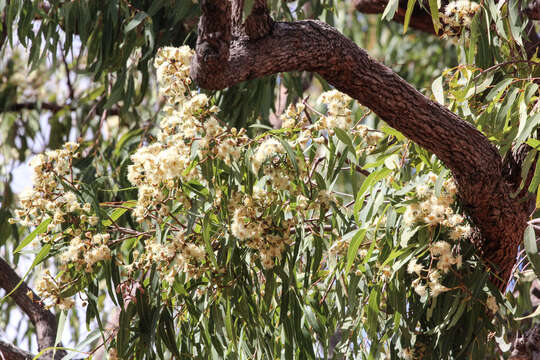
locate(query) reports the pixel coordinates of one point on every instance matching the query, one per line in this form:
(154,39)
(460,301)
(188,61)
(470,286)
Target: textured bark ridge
(420,18)
(234,56)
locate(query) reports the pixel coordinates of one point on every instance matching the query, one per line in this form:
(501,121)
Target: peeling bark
(226,55)
(43,320)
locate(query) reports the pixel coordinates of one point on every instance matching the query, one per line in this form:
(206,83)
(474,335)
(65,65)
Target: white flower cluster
(189,124)
(189,129)
(87,250)
(293,115)
(173,72)
(338,115)
(48,200)
(433,280)
(458,14)
(49,289)
(491,304)
(189,136)
(436,210)
(257,229)
(442,251)
(269,148)
(339,248)
(177,255)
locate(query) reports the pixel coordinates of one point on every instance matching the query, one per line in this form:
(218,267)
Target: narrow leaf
(353,248)
(38,230)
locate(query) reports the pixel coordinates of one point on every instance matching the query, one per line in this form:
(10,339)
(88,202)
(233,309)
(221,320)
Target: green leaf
(373,178)
(437,88)
(116,214)
(473,37)
(434,11)
(535,313)
(393,132)
(408,14)
(526,128)
(206,238)
(529,240)
(536,179)
(372,313)
(40,229)
(346,139)
(390,10)
(137,19)
(290,152)
(61,325)
(534,143)
(352,252)
(248,6)
(497,91)
(42,254)
(125,139)
(513,21)
(67,357)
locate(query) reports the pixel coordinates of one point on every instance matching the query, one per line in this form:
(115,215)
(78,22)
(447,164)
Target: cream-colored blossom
(491,304)
(414,267)
(267,149)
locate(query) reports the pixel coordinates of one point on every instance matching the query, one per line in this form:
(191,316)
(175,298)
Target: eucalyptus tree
(241,179)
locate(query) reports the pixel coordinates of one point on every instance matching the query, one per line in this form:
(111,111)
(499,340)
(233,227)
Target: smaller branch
(420,18)
(44,321)
(68,80)
(327,290)
(29,105)
(11,352)
(357,168)
(34,106)
(511,62)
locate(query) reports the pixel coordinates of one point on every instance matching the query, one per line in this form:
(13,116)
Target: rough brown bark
(43,320)
(11,352)
(223,60)
(420,18)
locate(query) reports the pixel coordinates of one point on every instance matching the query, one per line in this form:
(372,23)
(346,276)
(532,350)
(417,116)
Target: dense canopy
(233,179)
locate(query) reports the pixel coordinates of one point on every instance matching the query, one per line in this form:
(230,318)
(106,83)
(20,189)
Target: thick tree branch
(44,321)
(11,352)
(34,106)
(53,107)
(420,18)
(223,60)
